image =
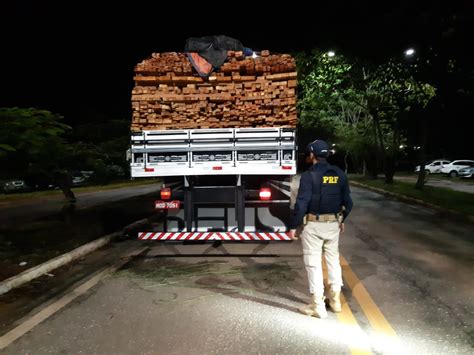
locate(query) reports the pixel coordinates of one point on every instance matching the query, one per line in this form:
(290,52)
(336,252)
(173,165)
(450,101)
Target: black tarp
(213,48)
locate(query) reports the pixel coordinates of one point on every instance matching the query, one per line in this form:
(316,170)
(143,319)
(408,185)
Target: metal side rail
(226,151)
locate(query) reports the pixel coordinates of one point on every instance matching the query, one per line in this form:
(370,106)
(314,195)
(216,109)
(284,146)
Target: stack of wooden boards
(244,92)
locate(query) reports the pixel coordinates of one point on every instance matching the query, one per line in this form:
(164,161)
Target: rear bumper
(214,236)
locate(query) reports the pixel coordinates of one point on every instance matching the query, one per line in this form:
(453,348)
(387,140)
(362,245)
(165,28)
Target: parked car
(452,169)
(466,173)
(80,178)
(433,167)
(87,173)
(15,186)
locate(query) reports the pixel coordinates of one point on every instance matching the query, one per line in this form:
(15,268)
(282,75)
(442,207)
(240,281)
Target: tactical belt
(321,218)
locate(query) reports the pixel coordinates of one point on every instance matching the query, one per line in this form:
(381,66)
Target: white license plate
(167,205)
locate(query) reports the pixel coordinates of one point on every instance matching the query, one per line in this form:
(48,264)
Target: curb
(61,260)
(412,200)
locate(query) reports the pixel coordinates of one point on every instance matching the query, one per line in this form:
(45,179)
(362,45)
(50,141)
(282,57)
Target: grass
(439,177)
(81,189)
(455,200)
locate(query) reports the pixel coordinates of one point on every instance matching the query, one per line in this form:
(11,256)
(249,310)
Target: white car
(15,186)
(78,180)
(452,169)
(433,167)
(466,173)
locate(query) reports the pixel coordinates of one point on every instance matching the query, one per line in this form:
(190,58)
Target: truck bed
(227,151)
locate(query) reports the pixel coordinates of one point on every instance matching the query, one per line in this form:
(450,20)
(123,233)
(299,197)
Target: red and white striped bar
(227,236)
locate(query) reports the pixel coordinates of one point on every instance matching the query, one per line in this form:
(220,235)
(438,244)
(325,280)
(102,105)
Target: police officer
(324,198)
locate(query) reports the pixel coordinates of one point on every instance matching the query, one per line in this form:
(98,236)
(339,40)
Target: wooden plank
(168,94)
(282,76)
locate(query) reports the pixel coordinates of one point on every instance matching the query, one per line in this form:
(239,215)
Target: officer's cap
(319,148)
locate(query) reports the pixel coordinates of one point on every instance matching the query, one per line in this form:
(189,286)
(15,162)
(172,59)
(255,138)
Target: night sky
(77,58)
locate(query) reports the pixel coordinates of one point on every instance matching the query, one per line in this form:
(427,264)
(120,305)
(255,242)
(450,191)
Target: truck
(230,183)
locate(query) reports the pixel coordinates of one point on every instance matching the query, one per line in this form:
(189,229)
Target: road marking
(70,296)
(359,347)
(358,343)
(374,315)
(346,317)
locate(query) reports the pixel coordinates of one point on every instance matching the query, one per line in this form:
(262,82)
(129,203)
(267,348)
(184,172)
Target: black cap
(319,148)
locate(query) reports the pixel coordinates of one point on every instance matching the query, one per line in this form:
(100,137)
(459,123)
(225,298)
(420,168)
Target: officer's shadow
(258,278)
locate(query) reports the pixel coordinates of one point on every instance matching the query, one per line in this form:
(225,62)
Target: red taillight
(286,167)
(265,194)
(149,170)
(217,168)
(165,193)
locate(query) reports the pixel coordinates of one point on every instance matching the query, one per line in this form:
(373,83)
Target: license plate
(167,205)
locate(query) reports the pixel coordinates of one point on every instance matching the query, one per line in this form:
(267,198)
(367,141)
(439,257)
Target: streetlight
(409,52)
(331,54)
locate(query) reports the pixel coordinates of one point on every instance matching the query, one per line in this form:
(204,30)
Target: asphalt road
(408,289)
(11,211)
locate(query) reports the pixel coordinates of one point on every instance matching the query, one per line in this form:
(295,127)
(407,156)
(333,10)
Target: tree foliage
(37,146)
(32,141)
(364,106)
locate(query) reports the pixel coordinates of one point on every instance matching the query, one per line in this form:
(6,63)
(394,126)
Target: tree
(33,145)
(101,146)
(331,95)
(392,93)
(364,105)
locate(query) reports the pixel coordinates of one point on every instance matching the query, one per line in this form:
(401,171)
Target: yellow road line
(347,317)
(375,317)
(357,345)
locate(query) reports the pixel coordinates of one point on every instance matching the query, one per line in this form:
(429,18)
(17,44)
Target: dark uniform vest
(327,190)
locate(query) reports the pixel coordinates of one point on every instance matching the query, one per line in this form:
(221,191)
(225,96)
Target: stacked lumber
(245,92)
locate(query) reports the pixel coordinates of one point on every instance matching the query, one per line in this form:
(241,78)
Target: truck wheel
(453,173)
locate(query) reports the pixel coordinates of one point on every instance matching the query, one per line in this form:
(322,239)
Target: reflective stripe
(225,236)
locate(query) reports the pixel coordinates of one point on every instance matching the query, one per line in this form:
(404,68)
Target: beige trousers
(318,238)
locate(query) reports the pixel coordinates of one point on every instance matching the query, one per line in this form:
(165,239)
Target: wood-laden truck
(225,145)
